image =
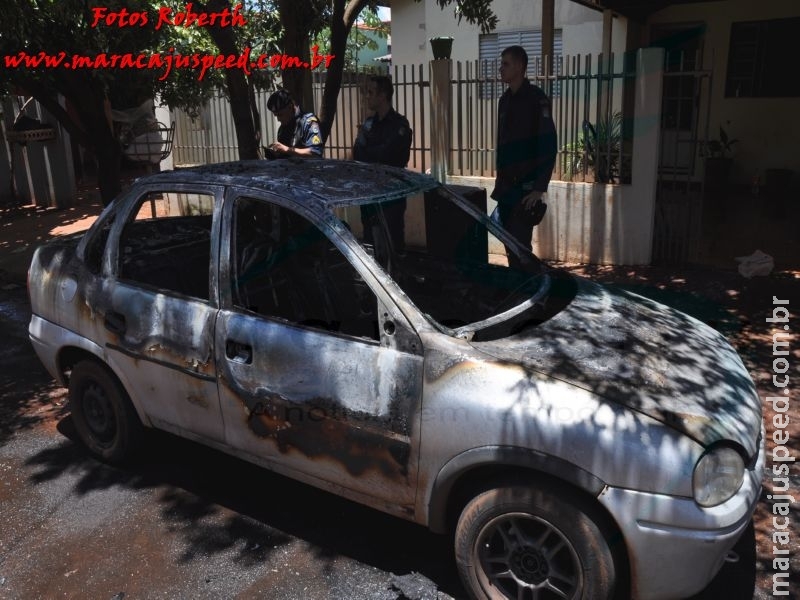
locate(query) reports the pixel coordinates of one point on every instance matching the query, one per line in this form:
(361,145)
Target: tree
(54,27)
(72,27)
(301,19)
(239,86)
(356,42)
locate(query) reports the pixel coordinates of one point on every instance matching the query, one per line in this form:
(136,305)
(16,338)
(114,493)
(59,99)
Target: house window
(492,44)
(756,58)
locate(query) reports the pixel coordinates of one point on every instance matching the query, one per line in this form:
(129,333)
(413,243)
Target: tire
(103,414)
(504,536)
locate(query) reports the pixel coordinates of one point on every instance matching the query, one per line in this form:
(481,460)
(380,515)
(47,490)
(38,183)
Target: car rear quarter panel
(64,296)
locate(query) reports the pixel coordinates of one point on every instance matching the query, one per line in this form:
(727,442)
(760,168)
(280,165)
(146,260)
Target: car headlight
(718,475)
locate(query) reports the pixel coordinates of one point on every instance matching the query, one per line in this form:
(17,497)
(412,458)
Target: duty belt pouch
(537,214)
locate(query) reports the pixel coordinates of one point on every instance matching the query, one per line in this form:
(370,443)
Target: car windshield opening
(439,247)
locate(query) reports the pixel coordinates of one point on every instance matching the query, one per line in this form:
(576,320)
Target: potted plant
(596,153)
(441,47)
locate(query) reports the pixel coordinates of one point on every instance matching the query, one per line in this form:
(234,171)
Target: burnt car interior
(444,265)
(168,245)
(286,268)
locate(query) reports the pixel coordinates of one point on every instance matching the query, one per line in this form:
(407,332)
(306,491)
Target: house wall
(414,22)
(767,128)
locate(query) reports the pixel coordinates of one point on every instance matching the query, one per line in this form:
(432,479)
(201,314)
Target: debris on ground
(756,264)
(415,586)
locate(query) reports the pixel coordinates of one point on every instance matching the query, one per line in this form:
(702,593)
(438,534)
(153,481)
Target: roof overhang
(638,10)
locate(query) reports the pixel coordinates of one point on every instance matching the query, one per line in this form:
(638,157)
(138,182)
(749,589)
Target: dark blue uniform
(526,155)
(303,132)
(526,143)
(386,141)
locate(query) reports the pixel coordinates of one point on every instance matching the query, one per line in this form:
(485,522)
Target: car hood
(646,356)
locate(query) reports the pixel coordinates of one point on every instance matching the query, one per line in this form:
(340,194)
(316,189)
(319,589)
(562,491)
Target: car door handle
(115,323)
(238,352)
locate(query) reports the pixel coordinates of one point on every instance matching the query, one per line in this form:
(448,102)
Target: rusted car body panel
(604,391)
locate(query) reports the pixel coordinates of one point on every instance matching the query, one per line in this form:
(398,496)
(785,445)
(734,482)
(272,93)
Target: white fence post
(441,117)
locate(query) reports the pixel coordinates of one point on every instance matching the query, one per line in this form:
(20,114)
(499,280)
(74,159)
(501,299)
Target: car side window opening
(284,267)
(447,262)
(96,246)
(167,244)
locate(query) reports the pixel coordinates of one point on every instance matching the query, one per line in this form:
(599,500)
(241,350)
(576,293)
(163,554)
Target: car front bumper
(675,546)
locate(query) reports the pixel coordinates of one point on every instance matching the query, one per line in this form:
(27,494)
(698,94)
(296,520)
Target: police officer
(526,150)
(385,138)
(299,133)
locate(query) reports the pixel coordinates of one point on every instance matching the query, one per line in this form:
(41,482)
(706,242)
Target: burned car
(353,326)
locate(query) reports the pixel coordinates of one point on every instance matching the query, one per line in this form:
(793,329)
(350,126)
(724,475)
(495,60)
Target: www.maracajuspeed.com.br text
(166,61)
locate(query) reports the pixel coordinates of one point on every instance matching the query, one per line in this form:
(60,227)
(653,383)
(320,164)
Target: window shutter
(491,45)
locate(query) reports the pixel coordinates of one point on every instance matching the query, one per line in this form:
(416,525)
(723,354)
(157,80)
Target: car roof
(332,182)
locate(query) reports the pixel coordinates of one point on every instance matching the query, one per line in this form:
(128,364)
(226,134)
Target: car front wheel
(104,417)
(526,543)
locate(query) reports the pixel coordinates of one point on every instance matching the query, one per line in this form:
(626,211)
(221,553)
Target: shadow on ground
(195,483)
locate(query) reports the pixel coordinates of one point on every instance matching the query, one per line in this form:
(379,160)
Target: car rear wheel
(525,543)
(103,414)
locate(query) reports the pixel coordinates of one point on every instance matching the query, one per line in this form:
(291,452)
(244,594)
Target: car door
(159,306)
(319,375)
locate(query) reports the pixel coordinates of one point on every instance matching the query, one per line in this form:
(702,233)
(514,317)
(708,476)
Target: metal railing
(591,116)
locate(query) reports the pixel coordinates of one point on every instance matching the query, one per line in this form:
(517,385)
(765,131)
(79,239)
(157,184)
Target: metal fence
(588,108)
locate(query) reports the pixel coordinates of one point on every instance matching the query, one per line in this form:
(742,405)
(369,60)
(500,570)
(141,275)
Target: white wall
(413,23)
(409,35)
(768,128)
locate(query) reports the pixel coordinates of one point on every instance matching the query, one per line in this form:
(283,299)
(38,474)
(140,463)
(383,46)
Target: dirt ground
(736,306)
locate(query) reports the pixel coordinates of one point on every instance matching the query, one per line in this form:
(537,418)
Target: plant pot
(442,47)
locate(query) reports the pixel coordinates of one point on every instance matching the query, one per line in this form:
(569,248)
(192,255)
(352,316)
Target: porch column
(441,117)
(646,144)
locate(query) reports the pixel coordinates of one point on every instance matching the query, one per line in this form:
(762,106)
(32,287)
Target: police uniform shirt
(386,141)
(526,142)
(303,132)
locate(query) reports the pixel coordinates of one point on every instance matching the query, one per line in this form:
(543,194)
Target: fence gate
(684,124)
